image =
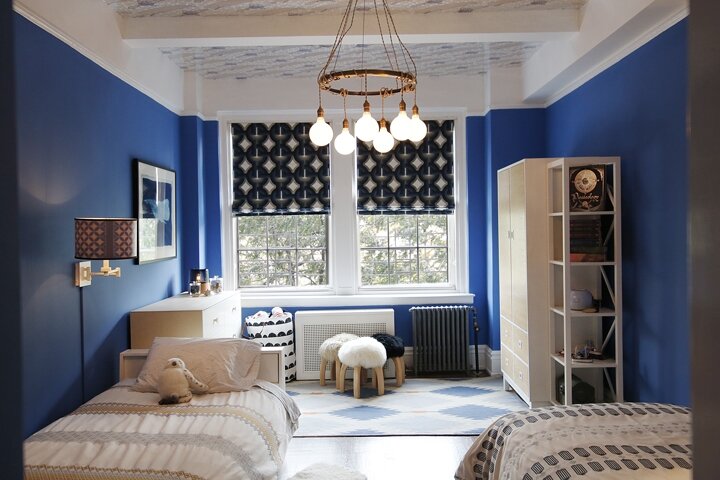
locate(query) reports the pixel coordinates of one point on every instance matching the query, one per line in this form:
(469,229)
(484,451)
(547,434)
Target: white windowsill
(251,300)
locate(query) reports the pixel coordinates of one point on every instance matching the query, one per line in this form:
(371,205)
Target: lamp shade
(105,238)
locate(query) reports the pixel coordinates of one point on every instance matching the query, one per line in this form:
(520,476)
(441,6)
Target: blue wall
(637,109)
(11,353)
(213,230)
(511,135)
(477,215)
(193,188)
(79,128)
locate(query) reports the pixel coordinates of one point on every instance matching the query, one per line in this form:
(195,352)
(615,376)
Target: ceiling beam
(226,31)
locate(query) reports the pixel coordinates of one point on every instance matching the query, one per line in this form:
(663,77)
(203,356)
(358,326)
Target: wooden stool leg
(398,370)
(363,376)
(374,381)
(323,366)
(378,373)
(357,374)
(339,378)
(402,368)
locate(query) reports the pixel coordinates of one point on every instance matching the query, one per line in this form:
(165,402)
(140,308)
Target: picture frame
(155,203)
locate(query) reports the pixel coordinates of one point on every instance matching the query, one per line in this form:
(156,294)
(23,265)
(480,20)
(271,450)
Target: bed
(126,434)
(604,441)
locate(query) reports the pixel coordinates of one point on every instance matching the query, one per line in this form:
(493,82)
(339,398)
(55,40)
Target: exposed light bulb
(384,141)
(366,128)
(400,126)
(418,128)
(321,132)
(345,142)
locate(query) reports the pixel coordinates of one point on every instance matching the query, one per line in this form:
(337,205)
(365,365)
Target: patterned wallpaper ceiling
(306,61)
(176,8)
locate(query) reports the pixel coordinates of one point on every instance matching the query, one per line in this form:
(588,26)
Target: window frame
(344,284)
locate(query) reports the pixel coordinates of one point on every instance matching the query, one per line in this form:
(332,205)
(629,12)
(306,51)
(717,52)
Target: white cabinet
(585,266)
(523,271)
(216,316)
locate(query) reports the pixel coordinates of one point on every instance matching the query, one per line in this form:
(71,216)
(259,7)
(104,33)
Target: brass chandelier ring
(407,82)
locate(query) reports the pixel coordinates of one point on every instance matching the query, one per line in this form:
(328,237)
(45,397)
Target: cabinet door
(518,247)
(504,243)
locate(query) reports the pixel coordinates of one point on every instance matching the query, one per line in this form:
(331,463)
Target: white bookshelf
(600,273)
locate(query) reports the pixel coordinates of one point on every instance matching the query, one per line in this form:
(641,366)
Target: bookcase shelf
(596,235)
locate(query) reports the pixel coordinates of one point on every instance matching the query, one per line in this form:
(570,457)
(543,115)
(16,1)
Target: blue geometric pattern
(463,391)
(278,171)
(409,178)
(365,413)
(422,406)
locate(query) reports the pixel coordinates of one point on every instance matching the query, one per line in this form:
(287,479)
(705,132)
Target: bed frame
(272,367)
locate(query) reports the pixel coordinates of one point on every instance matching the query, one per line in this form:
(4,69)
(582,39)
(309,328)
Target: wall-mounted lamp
(103,239)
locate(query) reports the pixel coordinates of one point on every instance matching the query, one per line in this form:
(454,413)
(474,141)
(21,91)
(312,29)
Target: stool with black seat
(395,350)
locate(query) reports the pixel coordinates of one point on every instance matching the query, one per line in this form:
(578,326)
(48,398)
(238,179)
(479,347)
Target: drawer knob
(234,309)
(216,321)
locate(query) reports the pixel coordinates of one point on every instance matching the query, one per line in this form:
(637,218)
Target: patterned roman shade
(278,171)
(409,178)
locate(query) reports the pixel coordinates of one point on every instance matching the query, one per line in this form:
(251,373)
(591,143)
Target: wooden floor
(380,458)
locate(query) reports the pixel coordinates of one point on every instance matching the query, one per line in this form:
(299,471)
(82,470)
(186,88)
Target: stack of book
(586,242)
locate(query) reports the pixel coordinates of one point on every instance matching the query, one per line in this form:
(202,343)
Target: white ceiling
(305,58)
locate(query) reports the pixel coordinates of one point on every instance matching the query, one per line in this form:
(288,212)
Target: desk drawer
(222,320)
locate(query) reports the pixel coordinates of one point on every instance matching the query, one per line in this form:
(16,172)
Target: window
(394,228)
(282,251)
(403,249)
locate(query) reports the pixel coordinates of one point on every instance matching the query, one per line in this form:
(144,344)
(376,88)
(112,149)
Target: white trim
(330,300)
(483,361)
(618,55)
(75,44)
(492,360)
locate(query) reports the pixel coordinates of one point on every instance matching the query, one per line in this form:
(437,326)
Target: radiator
(312,327)
(440,338)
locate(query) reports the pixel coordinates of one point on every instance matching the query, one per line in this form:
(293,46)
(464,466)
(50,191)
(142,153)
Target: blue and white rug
(422,406)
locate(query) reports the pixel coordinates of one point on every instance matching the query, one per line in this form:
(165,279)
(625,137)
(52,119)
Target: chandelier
(398,74)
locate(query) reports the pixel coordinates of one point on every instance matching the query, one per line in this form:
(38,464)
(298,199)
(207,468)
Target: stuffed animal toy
(177,384)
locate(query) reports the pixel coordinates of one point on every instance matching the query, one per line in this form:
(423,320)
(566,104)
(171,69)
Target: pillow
(224,364)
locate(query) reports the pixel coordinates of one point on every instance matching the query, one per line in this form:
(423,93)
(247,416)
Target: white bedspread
(603,441)
(121,434)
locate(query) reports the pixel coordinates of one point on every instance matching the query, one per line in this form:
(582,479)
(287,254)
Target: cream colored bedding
(122,434)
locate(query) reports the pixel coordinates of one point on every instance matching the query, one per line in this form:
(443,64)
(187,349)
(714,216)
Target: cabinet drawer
(222,320)
(522,376)
(520,344)
(506,331)
(506,362)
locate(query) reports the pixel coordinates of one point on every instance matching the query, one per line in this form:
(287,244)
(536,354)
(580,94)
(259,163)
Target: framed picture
(157,223)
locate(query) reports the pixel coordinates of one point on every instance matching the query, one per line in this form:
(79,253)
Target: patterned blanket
(606,441)
(122,434)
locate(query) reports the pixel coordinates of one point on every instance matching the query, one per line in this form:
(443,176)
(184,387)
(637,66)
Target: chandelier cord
(342,29)
(403,48)
(362,53)
(396,66)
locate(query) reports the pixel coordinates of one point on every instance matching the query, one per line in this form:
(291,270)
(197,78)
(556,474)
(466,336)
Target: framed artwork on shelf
(587,188)
(156,210)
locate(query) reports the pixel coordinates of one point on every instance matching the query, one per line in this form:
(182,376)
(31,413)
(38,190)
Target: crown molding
(75,44)
(618,55)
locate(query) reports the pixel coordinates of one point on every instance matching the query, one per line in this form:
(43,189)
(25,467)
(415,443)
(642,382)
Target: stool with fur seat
(365,352)
(395,349)
(328,354)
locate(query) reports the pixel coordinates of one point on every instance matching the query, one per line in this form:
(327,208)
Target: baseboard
(488,359)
